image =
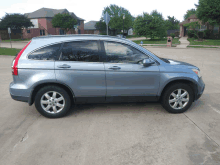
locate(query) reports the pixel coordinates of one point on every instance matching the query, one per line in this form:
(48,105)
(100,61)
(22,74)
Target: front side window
(86,51)
(46,53)
(121,53)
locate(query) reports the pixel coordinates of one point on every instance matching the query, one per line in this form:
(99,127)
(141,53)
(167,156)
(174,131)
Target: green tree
(15,21)
(64,21)
(189,13)
(101,26)
(150,26)
(155,13)
(209,11)
(172,23)
(116,22)
(193,26)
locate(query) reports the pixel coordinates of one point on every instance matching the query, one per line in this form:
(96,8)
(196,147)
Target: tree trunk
(219,32)
(207,26)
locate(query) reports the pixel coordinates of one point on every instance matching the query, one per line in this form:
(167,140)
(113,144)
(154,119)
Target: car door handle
(114,67)
(64,66)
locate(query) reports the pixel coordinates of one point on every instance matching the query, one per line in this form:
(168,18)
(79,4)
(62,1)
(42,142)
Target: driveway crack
(201,130)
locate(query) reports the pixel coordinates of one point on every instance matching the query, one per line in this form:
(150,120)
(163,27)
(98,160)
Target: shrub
(172,35)
(207,34)
(177,34)
(201,34)
(191,34)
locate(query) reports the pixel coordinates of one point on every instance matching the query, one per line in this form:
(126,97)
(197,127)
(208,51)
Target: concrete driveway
(17,45)
(116,134)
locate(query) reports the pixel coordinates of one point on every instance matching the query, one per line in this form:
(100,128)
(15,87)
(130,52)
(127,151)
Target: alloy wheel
(52,102)
(178,99)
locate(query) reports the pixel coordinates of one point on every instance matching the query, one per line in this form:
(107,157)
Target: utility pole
(123,24)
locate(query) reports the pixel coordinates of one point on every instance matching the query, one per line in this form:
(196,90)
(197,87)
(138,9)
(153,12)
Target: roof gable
(49,13)
(192,17)
(90,25)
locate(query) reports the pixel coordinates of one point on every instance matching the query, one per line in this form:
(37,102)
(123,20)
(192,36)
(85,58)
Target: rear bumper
(20,98)
(17,93)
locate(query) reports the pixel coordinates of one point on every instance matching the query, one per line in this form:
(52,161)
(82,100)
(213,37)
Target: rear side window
(46,53)
(80,51)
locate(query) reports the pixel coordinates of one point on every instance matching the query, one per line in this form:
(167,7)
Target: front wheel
(177,98)
(52,101)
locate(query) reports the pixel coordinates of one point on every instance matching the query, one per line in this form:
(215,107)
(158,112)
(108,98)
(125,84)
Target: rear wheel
(52,101)
(177,98)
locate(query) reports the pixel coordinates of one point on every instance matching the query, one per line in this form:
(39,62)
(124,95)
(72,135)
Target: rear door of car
(37,67)
(79,67)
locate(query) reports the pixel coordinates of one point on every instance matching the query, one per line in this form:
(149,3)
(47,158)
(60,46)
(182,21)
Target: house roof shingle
(90,25)
(49,13)
(190,17)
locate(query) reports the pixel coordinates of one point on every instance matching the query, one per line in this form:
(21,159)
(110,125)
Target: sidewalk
(183,43)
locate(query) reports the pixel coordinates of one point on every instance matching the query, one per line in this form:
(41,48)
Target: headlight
(197,72)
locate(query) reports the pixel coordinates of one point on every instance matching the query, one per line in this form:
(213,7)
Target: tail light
(15,61)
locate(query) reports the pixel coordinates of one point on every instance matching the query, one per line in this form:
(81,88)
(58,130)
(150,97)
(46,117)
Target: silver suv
(56,71)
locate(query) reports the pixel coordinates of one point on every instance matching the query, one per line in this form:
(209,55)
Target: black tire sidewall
(169,90)
(57,89)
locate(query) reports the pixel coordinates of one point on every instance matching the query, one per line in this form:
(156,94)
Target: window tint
(121,53)
(80,51)
(46,53)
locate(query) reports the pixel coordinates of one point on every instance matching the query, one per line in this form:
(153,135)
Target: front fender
(166,78)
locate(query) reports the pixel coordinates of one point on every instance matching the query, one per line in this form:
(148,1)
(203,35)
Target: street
(116,134)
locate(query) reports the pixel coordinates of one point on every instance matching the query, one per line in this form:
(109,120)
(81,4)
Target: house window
(28,31)
(62,32)
(203,27)
(42,32)
(78,22)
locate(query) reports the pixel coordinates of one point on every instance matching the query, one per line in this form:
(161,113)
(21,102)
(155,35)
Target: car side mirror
(147,62)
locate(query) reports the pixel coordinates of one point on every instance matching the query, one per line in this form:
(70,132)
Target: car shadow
(114,108)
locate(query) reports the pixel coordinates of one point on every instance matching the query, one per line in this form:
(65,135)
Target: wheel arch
(192,84)
(39,86)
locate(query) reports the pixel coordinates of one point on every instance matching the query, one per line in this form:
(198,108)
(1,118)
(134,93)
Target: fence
(172,31)
(15,34)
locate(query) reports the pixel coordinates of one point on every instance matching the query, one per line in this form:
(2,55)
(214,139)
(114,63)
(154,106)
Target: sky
(92,9)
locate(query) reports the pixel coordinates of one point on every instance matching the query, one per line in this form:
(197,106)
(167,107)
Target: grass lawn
(157,41)
(155,45)
(206,42)
(200,47)
(16,40)
(133,36)
(9,51)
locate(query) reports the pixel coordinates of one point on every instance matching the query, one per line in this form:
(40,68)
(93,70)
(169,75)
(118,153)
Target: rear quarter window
(45,53)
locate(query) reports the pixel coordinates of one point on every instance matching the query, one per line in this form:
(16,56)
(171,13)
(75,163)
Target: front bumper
(201,88)
(200,94)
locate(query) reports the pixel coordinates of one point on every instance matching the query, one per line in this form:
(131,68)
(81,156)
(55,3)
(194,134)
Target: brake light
(15,62)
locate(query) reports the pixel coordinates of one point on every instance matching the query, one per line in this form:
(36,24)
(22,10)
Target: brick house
(193,18)
(89,28)
(42,21)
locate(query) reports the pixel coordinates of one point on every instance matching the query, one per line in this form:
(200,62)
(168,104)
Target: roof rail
(76,35)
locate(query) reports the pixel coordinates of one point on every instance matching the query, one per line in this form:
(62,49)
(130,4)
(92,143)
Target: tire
(172,102)
(45,97)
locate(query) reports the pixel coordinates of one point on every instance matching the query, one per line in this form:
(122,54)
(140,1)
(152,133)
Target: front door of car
(79,68)
(126,77)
